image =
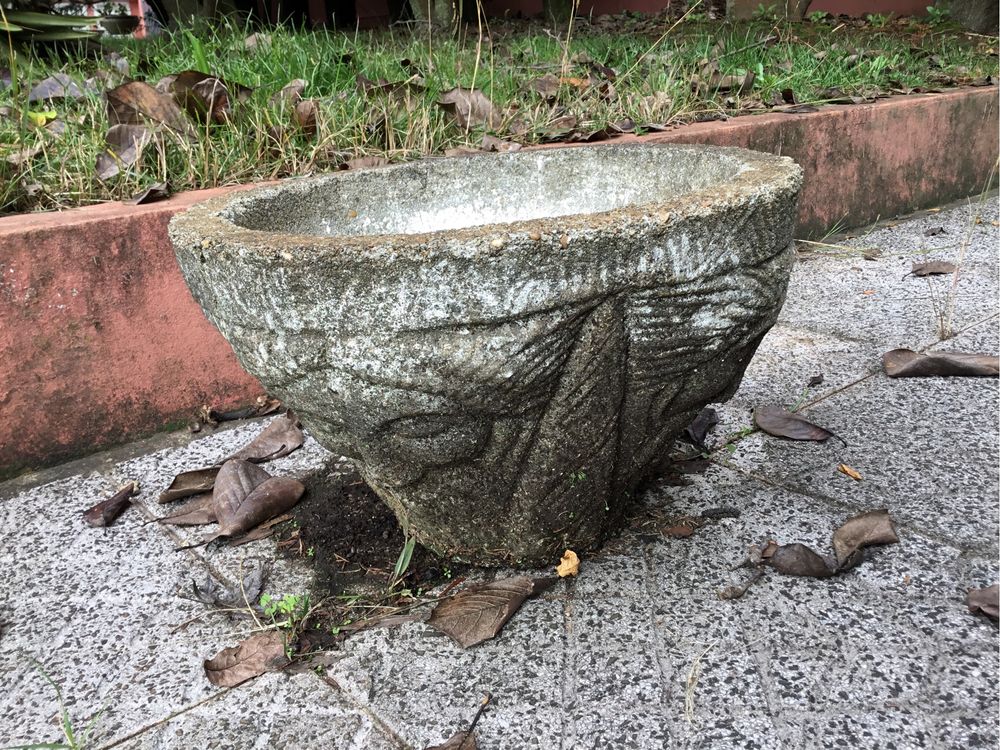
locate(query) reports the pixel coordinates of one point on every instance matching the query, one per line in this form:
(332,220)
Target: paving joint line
(368,711)
(168,718)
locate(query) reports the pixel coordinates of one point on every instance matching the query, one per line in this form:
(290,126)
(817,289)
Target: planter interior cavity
(505,345)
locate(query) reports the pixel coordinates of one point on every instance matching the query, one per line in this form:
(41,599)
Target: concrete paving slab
(301,710)
(636,652)
(839,292)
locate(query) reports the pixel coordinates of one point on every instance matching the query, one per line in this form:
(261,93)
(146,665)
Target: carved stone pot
(505,345)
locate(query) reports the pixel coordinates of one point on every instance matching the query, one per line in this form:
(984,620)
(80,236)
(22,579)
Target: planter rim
(212,221)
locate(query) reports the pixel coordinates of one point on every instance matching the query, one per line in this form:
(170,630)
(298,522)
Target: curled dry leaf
(569,565)
(198,511)
(932,268)
(857,532)
(463,740)
(847,470)
(282,436)
(135,102)
(778,421)
(290,94)
(477,613)
(107,511)
(241,502)
(469,108)
(124,147)
(799,560)
(905,363)
(189,483)
(696,432)
(58,86)
(986,601)
(260,653)
(158,191)
(205,97)
(305,114)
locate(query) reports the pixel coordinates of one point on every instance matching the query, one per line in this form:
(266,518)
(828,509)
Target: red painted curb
(101,341)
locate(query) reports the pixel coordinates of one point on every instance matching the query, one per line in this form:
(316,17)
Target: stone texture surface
(504,345)
(636,652)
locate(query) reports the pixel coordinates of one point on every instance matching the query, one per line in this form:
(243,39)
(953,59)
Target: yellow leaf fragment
(569,565)
(852,473)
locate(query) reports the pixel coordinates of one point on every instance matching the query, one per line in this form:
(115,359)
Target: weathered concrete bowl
(505,345)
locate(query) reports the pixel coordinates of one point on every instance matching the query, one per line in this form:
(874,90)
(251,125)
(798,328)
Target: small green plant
(765,12)
(938,14)
(577,477)
(818,16)
(878,20)
(289,612)
(311,552)
(74,740)
(402,565)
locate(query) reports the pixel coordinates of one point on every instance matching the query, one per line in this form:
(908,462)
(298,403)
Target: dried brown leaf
(235,481)
(124,147)
(207,98)
(305,114)
(986,600)
(778,421)
(290,94)
(858,532)
(189,483)
(477,613)
(463,740)
(59,86)
(269,498)
(156,192)
(198,511)
(905,363)
(799,560)
(282,436)
(260,653)
(107,511)
(932,268)
(696,432)
(136,102)
(469,108)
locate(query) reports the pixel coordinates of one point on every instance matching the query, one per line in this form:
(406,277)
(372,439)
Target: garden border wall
(101,342)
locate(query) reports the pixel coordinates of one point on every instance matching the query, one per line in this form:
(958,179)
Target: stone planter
(506,345)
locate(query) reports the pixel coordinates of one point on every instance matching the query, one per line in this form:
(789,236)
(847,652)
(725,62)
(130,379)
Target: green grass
(654,66)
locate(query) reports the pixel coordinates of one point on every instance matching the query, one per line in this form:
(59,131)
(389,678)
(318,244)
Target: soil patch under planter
(354,540)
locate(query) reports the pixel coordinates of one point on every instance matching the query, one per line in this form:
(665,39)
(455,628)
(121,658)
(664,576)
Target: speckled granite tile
(925,447)
(293,712)
(872,730)
(838,292)
(426,688)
